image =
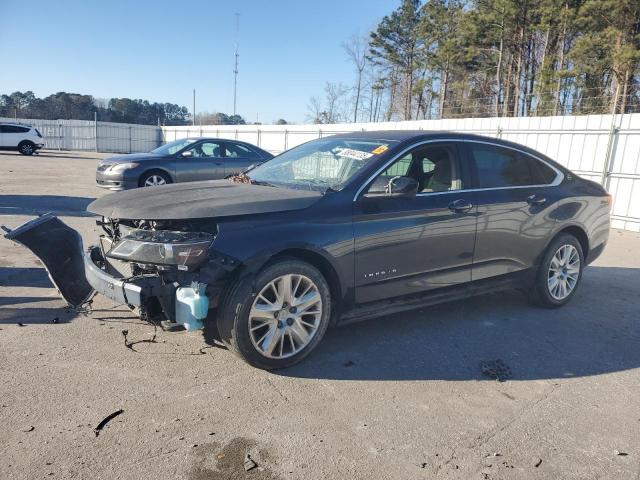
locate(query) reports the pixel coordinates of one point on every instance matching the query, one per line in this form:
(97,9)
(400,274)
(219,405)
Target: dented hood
(214,198)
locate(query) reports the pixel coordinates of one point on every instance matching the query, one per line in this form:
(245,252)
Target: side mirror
(393,187)
(187,154)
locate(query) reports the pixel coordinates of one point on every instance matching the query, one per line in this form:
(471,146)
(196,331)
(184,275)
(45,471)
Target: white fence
(86,135)
(603,148)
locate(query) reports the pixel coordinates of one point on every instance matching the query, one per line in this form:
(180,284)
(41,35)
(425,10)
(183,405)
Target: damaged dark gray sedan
(336,230)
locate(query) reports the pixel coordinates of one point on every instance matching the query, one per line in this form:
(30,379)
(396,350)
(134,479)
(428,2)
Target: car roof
(197,139)
(403,135)
(414,135)
(410,136)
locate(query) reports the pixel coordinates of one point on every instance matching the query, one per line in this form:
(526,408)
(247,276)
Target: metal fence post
(286,139)
(130,151)
(499,132)
(612,144)
(95,129)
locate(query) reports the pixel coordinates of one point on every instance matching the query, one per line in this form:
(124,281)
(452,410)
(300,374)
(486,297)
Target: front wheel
(154,179)
(278,319)
(26,148)
(559,273)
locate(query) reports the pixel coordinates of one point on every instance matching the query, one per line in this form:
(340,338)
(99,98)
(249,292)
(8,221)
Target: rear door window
(236,150)
(498,167)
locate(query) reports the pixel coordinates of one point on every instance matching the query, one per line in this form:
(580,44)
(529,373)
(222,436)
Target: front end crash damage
(138,263)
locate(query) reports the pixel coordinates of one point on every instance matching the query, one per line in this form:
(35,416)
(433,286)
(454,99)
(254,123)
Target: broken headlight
(184,250)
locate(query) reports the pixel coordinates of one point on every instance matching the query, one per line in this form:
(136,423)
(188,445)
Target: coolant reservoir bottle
(192,305)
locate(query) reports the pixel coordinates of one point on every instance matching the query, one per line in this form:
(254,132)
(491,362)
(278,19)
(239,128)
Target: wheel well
(26,141)
(321,263)
(581,235)
(151,170)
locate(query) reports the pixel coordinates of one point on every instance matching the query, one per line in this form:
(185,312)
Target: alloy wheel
(154,180)
(285,316)
(26,149)
(564,272)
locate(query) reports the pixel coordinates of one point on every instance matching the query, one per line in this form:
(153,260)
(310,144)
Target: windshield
(173,147)
(321,164)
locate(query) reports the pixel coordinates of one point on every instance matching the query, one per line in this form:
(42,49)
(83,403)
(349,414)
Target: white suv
(18,136)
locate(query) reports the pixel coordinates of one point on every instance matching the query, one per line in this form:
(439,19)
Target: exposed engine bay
(140,263)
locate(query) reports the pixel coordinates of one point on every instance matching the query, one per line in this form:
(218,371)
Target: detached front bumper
(119,290)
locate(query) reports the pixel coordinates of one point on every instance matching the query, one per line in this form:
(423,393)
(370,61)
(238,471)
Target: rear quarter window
(542,173)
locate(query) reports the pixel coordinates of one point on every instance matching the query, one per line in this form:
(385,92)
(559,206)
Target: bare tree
(316,112)
(335,96)
(356,49)
(331,111)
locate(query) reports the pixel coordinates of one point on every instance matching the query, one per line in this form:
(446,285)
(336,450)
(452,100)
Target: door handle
(460,206)
(535,200)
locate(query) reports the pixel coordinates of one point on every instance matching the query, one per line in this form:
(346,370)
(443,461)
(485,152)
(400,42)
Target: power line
(235,69)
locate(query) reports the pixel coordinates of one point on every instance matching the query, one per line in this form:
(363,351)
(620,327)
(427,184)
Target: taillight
(609,200)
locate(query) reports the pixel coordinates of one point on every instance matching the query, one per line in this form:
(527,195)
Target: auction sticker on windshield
(356,154)
(380,149)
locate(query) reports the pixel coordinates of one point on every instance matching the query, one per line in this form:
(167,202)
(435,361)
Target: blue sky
(161,50)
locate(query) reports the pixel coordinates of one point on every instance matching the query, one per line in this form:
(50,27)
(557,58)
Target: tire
(548,293)
(26,147)
(154,178)
(252,324)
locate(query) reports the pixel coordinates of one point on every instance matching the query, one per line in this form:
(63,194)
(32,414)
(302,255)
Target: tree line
(482,58)
(65,106)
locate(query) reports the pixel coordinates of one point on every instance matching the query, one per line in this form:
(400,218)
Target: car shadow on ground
(59,154)
(598,332)
(41,204)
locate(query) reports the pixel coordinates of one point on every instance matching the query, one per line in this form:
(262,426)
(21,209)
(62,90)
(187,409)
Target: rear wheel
(26,148)
(278,319)
(559,273)
(154,178)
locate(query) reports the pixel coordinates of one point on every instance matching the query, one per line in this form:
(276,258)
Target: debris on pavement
(55,320)
(20,324)
(537,463)
(249,464)
(29,429)
(106,420)
(130,345)
(620,454)
(496,369)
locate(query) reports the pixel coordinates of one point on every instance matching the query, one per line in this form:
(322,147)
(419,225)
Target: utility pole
(193,118)
(235,69)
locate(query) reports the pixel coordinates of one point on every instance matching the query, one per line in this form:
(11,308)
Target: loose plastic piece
(59,247)
(106,420)
(192,306)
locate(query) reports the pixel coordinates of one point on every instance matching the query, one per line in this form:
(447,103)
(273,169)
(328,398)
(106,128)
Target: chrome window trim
(556,181)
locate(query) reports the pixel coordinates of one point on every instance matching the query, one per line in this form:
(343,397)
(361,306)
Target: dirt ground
(401,397)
